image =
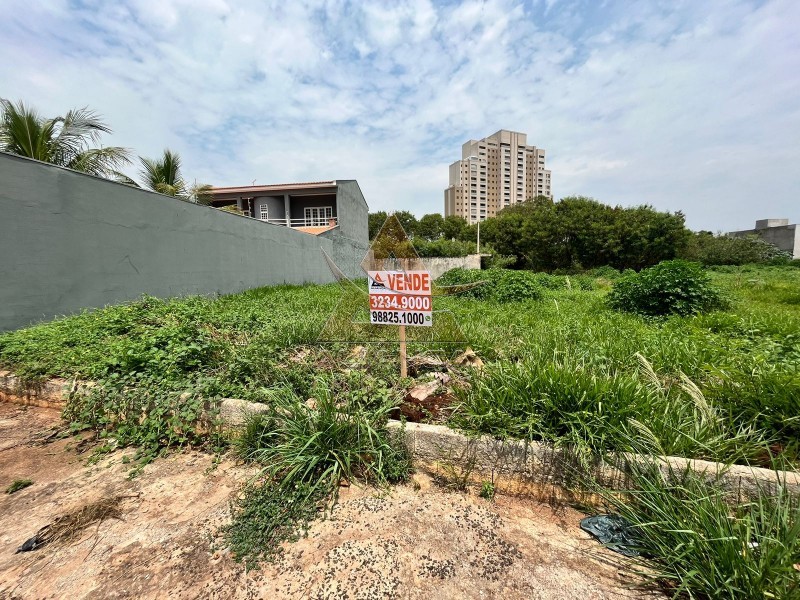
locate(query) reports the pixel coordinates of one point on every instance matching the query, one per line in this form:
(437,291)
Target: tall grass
(699,543)
(567,403)
(324,441)
(307,448)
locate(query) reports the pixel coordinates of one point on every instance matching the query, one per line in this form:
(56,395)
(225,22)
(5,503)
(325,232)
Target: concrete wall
(352,210)
(70,241)
(436,266)
(785,237)
(276,207)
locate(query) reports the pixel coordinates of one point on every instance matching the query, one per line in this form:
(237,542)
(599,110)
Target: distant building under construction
(493,173)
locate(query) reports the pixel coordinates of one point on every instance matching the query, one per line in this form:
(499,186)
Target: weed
(307,449)
(455,470)
(568,404)
(501,285)
(250,345)
(323,442)
(151,414)
(487,490)
(17,485)
(267,513)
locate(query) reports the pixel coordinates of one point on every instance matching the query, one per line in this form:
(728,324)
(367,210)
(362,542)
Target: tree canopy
(581,233)
(573,234)
(163,175)
(68,141)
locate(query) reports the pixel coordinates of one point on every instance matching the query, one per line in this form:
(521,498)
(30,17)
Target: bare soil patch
(417,541)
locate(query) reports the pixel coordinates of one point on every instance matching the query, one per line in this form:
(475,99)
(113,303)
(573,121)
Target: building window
(263,213)
(318,216)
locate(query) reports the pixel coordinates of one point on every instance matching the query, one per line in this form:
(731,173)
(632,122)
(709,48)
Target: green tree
(163,175)
(646,236)
(67,141)
(541,200)
(376,221)
(407,220)
(580,233)
(453,227)
(429,227)
(710,249)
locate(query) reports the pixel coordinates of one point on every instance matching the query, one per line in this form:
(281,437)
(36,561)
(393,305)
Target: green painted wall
(70,241)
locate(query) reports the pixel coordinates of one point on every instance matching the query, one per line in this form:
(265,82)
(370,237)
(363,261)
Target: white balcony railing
(311,222)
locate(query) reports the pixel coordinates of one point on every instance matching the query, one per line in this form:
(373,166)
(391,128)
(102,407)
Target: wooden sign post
(403,356)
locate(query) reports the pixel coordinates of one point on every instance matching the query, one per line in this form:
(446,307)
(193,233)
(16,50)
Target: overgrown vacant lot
(562,367)
(559,365)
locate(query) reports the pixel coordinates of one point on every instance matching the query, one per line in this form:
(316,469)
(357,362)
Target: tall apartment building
(493,173)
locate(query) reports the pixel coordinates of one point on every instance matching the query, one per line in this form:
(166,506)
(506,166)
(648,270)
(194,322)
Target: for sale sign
(400,298)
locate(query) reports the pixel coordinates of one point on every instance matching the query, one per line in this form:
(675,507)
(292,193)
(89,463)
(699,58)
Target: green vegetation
(323,441)
(307,450)
(163,175)
(565,369)
(147,412)
(670,287)
(487,490)
(709,249)
(67,141)
(17,485)
(500,285)
(701,543)
(578,233)
(266,514)
(557,361)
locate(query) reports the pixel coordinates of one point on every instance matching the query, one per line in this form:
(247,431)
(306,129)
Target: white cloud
(688,108)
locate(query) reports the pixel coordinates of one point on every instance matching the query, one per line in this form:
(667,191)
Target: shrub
(608,272)
(500,285)
(515,286)
(711,249)
(487,490)
(670,287)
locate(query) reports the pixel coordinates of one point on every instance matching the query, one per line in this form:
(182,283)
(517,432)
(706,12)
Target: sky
(686,106)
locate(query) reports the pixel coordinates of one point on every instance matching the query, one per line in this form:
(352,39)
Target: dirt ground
(417,541)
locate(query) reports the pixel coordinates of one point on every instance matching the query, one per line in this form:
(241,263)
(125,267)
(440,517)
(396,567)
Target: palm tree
(163,175)
(66,141)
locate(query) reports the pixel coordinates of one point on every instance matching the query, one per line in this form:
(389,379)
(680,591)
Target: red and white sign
(400,298)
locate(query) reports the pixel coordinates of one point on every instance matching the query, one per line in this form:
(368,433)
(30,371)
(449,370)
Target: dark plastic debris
(614,532)
(30,545)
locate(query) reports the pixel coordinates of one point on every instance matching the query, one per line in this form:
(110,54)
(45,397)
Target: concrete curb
(517,464)
(48,394)
(522,464)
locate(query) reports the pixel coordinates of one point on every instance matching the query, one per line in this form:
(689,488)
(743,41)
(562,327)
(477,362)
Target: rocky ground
(162,541)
